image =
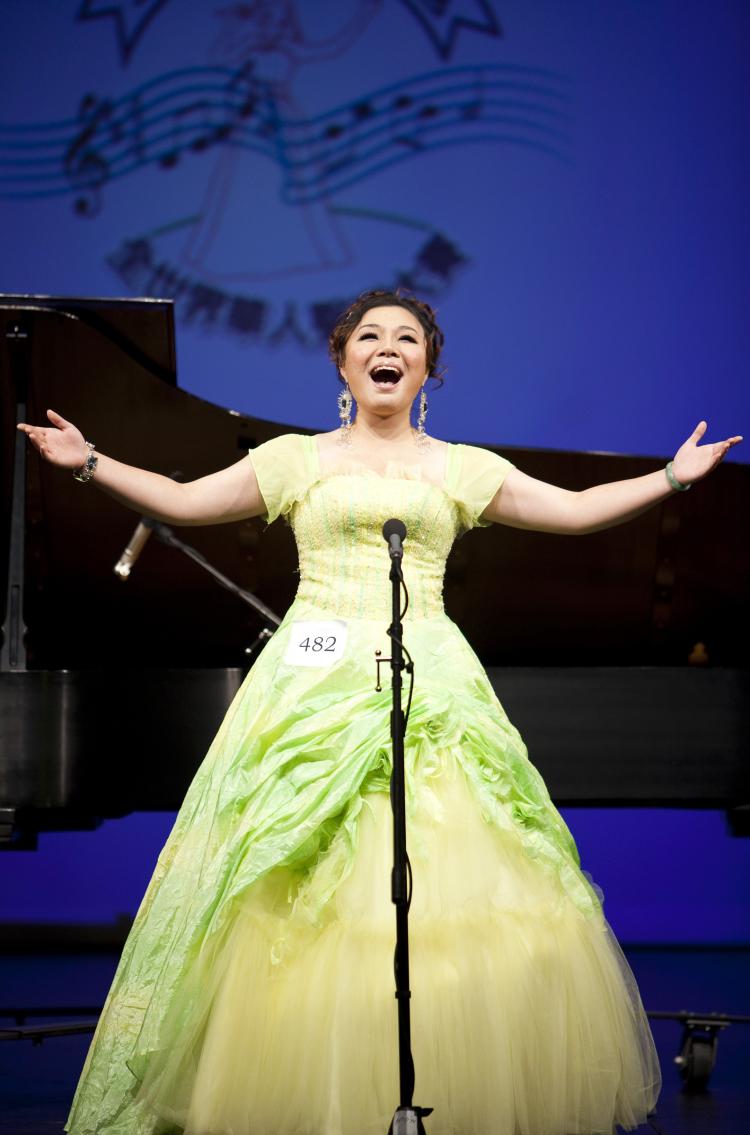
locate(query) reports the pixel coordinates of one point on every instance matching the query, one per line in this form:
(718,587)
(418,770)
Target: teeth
(384,373)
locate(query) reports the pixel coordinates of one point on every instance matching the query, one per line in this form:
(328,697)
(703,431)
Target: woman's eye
(367,335)
(409,338)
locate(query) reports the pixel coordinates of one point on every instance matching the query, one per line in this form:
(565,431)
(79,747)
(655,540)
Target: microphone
(135,546)
(394,532)
(138,540)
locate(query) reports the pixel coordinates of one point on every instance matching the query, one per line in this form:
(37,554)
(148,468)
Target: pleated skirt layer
(526,1019)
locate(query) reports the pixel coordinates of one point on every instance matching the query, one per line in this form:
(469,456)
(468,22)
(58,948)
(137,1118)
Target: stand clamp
(408,1121)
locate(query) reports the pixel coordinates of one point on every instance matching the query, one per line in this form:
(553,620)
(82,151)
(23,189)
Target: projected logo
(441,20)
(270,211)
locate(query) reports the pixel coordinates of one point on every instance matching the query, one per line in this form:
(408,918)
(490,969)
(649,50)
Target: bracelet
(87,470)
(675,484)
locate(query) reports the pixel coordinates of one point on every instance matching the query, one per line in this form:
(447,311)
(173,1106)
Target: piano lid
(644,593)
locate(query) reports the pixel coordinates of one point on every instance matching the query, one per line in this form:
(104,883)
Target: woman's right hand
(62,443)
(229,494)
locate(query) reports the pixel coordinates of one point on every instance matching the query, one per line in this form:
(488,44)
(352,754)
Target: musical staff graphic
(194,110)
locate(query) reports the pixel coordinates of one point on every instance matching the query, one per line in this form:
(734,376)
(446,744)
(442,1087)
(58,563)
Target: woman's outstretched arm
(524,502)
(230,494)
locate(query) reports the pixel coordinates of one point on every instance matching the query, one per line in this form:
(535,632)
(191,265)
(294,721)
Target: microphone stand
(166,535)
(408,1118)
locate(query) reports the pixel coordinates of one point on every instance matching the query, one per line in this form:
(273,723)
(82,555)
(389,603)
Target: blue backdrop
(566,181)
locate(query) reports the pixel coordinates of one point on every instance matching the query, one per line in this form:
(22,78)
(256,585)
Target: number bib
(316,642)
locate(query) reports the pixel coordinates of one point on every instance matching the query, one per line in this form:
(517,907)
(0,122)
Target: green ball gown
(255,992)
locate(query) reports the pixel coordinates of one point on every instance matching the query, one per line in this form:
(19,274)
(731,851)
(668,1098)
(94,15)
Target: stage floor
(37,1082)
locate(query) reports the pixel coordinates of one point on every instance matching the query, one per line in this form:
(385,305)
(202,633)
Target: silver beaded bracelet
(680,488)
(87,470)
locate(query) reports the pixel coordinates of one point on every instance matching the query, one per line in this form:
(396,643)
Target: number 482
(316,645)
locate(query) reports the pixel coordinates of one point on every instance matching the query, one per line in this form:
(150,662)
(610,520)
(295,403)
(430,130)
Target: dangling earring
(422,438)
(345,415)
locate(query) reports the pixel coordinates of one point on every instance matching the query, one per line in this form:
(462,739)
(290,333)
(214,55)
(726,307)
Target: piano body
(621,656)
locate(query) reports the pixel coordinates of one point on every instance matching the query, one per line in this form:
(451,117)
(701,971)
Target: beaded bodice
(338,511)
(343,558)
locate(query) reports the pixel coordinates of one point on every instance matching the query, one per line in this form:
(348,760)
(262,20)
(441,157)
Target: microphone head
(394,528)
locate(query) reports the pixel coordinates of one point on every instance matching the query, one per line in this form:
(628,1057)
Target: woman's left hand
(693,461)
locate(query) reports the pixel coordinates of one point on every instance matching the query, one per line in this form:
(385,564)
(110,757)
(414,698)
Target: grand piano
(622,657)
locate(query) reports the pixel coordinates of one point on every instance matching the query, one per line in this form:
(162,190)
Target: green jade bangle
(675,484)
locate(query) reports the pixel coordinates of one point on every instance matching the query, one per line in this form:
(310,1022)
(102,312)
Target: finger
(699,431)
(721,449)
(34,435)
(57,419)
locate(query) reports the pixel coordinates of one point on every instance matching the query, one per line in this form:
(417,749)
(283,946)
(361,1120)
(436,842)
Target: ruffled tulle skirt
(255,993)
(525,1016)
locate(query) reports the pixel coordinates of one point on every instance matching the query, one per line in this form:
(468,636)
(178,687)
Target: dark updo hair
(348,320)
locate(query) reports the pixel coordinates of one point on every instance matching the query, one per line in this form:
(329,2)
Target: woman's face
(385,360)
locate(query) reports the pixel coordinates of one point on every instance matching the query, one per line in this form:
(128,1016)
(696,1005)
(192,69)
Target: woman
(255,993)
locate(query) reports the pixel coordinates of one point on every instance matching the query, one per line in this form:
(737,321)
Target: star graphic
(131,17)
(441,20)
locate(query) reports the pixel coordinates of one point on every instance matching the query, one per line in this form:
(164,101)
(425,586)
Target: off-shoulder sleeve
(285,469)
(473,477)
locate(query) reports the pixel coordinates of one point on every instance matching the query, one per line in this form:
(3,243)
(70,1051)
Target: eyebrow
(401,327)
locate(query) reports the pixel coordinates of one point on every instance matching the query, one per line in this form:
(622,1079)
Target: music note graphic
(242,94)
(471,110)
(194,127)
(126,129)
(349,133)
(84,164)
(402,122)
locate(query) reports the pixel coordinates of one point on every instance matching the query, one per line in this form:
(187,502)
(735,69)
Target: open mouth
(385,375)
